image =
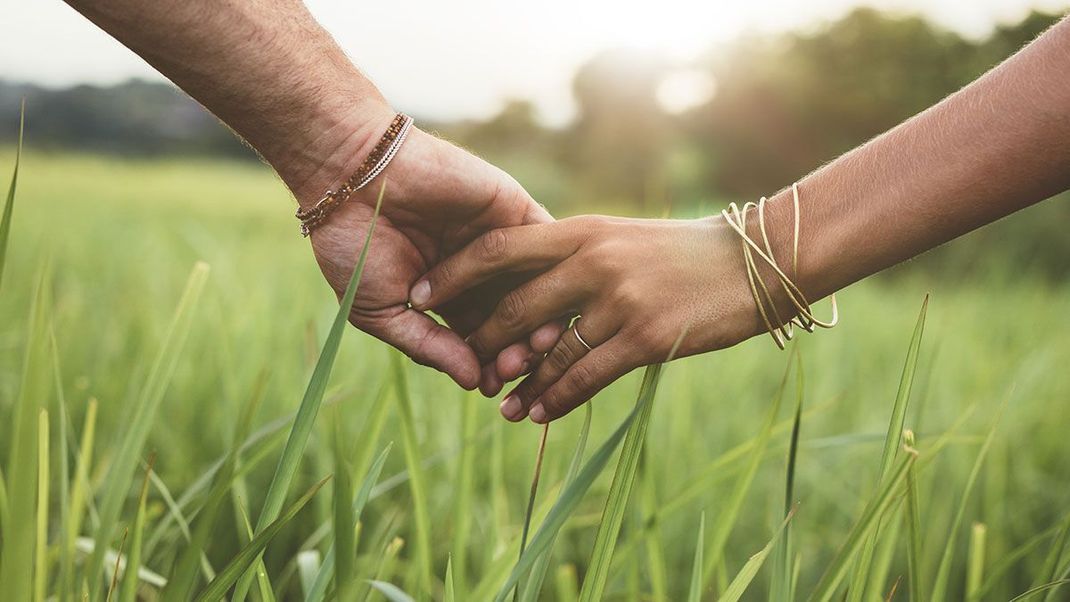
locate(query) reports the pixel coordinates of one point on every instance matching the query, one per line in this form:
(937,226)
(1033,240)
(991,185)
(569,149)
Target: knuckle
(493,245)
(628,295)
(645,339)
(581,380)
(559,359)
(419,353)
(527,392)
(479,346)
(446,273)
(511,309)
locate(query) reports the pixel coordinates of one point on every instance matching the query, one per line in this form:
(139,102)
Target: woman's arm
(1000,144)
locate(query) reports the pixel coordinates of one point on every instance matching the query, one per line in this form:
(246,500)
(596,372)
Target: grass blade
(572,494)
(184,577)
(975,565)
(79,491)
(267,594)
(319,587)
(743,579)
(392,592)
(345,522)
(533,493)
(694,593)
(648,525)
(9,205)
(1051,561)
(533,585)
(727,518)
(310,403)
(65,583)
(996,572)
(841,563)
(420,504)
(565,583)
(913,518)
(128,591)
(943,573)
(891,447)
(41,547)
(594,583)
(17,548)
(251,553)
(121,473)
(1039,589)
(450,595)
(462,506)
(780,588)
(114,583)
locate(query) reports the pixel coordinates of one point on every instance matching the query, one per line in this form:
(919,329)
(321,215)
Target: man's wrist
(338,139)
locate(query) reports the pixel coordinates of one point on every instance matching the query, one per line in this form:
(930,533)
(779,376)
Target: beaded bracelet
(781,331)
(372,166)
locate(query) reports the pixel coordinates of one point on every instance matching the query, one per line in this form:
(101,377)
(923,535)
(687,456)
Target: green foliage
(310,404)
(619,492)
(17,547)
(264,307)
(9,204)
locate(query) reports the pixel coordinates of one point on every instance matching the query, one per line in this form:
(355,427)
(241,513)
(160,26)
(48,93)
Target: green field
(118,239)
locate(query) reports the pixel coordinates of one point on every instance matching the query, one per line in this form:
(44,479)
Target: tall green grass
(717,491)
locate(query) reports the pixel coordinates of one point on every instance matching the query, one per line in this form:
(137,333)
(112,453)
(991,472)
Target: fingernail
(511,408)
(525,366)
(537,414)
(420,293)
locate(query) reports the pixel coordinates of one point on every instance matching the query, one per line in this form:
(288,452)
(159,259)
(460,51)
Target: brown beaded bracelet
(371,167)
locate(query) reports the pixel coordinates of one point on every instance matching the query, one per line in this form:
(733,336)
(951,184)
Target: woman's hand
(637,285)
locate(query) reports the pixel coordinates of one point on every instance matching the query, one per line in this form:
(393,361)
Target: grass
(721,469)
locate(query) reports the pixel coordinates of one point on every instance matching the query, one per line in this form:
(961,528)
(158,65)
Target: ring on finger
(576,331)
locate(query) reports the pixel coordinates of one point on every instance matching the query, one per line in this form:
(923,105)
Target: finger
(490,383)
(592,373)
(505,250)
(514,361)
(518,359)
(545,337)
(569,349)
(427,343)
(540,300)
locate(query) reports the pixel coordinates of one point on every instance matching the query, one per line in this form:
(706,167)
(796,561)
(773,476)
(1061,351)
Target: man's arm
(270,72)
(267,69)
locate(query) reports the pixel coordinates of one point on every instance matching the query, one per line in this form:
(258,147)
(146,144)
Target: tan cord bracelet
(372,166)
(780,330)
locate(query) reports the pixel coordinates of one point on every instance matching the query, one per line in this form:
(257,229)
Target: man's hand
(438,198)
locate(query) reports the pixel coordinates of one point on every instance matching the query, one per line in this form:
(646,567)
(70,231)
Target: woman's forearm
(264,67)
(996,146)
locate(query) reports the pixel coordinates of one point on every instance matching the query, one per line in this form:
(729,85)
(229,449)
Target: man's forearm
(267,69)
(1000,144)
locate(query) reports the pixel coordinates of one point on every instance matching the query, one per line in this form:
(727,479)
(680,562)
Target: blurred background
(651,109)
(633,108)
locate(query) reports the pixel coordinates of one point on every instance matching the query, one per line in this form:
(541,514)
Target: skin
(998,145)
(278,79)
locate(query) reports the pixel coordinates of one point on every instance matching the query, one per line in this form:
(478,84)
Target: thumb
(427,343)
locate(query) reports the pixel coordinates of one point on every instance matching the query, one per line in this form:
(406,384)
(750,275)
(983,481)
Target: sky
(465,58)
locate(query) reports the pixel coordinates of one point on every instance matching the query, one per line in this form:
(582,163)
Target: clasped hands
(460,238)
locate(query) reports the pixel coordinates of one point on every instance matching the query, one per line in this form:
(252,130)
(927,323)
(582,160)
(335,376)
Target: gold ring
(576,331)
